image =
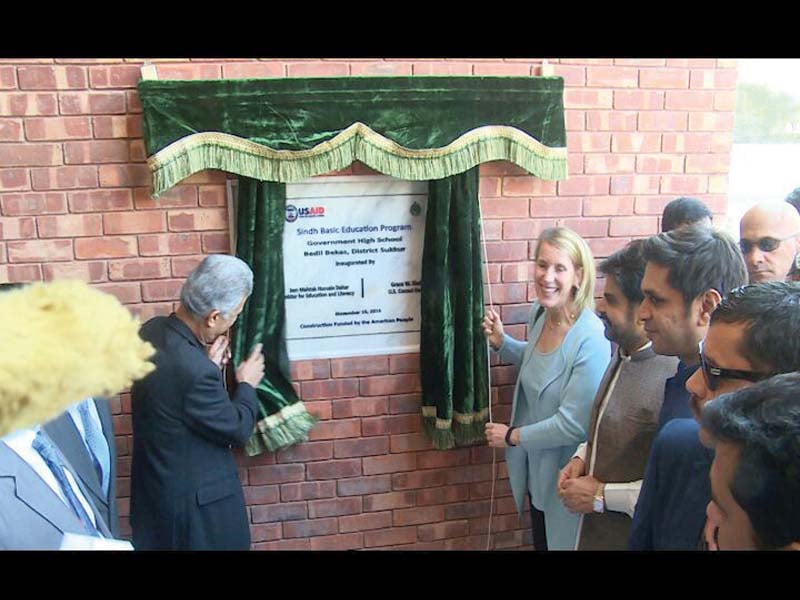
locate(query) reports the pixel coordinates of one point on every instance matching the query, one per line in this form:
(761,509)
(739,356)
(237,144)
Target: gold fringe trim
(429,412)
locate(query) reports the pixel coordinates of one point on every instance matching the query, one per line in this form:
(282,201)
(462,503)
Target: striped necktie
(97,444)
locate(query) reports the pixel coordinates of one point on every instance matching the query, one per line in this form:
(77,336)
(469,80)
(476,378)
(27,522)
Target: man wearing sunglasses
(755,489)
(754,334)
(769,238)
(688,271)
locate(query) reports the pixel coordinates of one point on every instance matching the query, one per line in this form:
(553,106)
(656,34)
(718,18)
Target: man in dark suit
(64,431)
(185,488)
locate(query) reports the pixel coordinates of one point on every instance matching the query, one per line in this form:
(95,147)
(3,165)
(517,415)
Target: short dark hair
(771,310)
(626,266)
(698,258)
(764,421)
(7,287)
(683,211)
(794,198)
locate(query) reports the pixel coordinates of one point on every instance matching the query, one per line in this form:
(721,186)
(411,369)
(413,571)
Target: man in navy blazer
(185,488)
(63,431)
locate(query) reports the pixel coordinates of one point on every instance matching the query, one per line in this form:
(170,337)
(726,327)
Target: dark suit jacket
(185,488)
(63,432)
(32,516)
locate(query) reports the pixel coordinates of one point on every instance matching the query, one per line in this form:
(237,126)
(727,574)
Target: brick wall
(75,203)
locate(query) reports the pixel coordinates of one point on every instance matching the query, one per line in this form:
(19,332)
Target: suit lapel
(68,439)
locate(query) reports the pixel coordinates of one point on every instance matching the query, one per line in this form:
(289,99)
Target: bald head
(769,236)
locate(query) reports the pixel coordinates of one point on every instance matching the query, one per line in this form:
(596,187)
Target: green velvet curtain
(283,419)
(453,353)
(416,128)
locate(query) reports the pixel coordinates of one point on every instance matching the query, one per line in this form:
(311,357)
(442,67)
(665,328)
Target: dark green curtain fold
(283,420)
(453,354)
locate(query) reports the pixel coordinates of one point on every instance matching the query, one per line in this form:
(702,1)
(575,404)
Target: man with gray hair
(185,488)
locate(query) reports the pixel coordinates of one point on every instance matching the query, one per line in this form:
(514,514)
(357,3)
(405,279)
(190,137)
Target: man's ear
(708,302)
(212,317)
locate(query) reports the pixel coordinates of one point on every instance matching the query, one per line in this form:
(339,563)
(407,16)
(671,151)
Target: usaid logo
(292,212)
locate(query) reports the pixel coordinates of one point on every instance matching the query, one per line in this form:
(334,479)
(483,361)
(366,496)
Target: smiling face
(673,330)
(619,317)
(555,278)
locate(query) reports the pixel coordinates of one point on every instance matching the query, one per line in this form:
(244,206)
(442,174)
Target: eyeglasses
(713,374)
(765,244)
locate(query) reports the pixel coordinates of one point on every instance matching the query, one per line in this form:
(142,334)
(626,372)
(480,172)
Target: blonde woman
(560,368)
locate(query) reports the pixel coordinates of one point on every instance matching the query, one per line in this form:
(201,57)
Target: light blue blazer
(561,412)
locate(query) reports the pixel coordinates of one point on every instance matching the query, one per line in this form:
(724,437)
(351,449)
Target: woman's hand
(496,435)
(493,328)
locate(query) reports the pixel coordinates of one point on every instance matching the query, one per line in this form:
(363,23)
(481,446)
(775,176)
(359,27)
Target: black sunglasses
(765,244)
(713,374)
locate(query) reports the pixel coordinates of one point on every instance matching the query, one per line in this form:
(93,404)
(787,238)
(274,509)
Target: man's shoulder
(678,434)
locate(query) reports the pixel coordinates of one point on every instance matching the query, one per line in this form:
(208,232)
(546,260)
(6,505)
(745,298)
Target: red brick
(8,78)
(633,226)
(252,70)
(664,78)
(358,407)
(100,201)
(635,142)
(684,185)
(395,463)
(404,363)
(484,490)
(189,71)
(689,100)
(338,388)
(51,78)
(524,186)
(466,510)
(281,545)
(11,130)
(574,76)
(29,155)
(380,68)
(106,247)
(117,126)
(504,207)
(410,442)
(18,105)
(70,226)
(492,230)
(587,227)
(389,384)
(85,271)
(360,366)
(137,222)
(725,101)
(615,77)
(180,196)
(438,531)
(320,409)
(441,68)
(575,120)
(127,293)
(265,533)
(388,501)
(512,314)
(509,293)
(128,175)
(604,247)
(361,447)
(718,184)
(181,267)
(586,61)
(384,425)
(305,452)
(211,196)
(64,177)
(609,163)
(334,507)
(687,142)
(359,486)
(97,151)
(659,163)
(261,494)
(144,312)
(58,128)
(506,251)
(39,251)
(711,121)
(216,242)
(330,69)
(662,120)
(583,98)
(501,69)
(581,141)
(515,273)
(20,273)
(17,228)
(555,207)
(14,179)
(311,528)
(163,244)
(139,268)
(638,100)
(293,511)
(153,291)
(588,185)
(707,163)
(271,474)
(603,120)
(428,478)
(89,103)
(721,142)
(443,495)
(418,515)
(349,541)
(390,537)
(334,469)
(408,403)
(366,522)
(610,206)
(132,102)
(118,76)
(307,491)
(137,151)
(342,428)
(634,184)
(310,369)
(501,168)
(200,219)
